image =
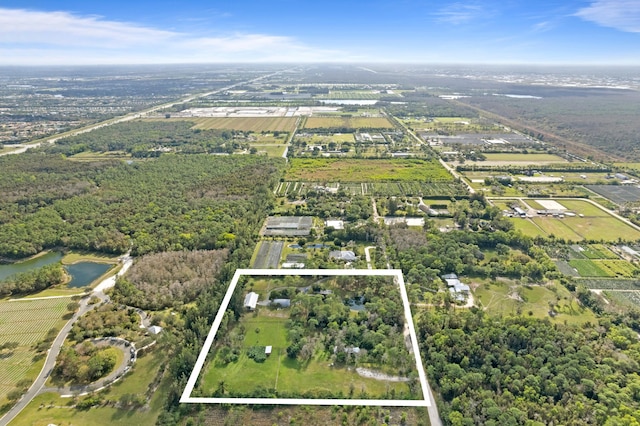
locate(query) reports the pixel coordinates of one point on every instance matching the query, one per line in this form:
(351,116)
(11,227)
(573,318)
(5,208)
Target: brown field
(247,124)
(348,122)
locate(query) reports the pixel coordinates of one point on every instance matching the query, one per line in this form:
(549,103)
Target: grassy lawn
(356,170)
(285,374)
(81,256)
(588,268)
(557,227)
(528,227)
(499,298)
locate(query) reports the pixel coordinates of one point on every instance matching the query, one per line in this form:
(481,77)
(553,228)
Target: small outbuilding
(267,350)
(283,303)
(250,301)
(154,329)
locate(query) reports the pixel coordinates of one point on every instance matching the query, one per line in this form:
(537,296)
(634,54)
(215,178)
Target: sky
(569,32)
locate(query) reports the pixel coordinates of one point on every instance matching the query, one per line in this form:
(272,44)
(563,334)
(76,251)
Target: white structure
(154,329)
(267,350)
(458,290)
(335,224)
(346,255)
(250,301)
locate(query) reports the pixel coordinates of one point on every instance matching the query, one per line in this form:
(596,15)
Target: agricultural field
(268,254)
(247,124)
(588,268)
(349,123)
(619,194)
(357,170)
(508,159)
(624,297)
(507,297)
(25,322)
(610,283)
(596,224)
(270,150)
(389,189)
(354,94)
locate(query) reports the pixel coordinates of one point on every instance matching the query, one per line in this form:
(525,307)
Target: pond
(28,265)
(84,273)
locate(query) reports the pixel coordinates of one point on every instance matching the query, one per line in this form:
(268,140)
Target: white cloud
(623,15)
(459,13)
(36,37)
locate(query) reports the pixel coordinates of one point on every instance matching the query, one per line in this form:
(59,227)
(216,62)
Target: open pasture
(247,124)
(357,170)
(25,323)
(596,224)
(282,373)
(510,298)
(351,123)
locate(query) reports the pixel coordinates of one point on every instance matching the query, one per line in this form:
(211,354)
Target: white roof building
(154,329)
(251,300)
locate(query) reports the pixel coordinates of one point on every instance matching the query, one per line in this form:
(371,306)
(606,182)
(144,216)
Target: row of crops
(443,190)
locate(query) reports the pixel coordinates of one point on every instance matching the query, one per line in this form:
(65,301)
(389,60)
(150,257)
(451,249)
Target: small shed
(267,350)
(154,329)
(250,301)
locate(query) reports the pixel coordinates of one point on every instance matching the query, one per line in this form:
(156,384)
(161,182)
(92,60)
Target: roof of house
(347,255)
(268,349)
(154,329)
(251,300)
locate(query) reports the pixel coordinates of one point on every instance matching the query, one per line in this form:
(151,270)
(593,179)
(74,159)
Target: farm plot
(624,297)
(268,255)
(588,268)
(441,189)
(348,123)
(25,322)
(566,269)
(357,170)
(247,124)
(595,224)
(619,194)
(617,268)
(610,284)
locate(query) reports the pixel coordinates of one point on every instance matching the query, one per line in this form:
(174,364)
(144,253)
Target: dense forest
(149,139)
(160,280)
(603,118)
(171,203)
(515,370)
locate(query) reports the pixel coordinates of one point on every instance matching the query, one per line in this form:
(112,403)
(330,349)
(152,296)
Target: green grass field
(348,123)
(588,268)
(596,224)
(284,374)
(498,298)
(356,170)
(27,323)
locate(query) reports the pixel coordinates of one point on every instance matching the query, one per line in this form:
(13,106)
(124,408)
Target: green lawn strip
(588,268)
(556,227)
(583,207)
(528,227)
(77,256)
(137,381)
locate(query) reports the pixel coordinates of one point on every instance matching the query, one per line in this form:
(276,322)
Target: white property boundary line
(425,402)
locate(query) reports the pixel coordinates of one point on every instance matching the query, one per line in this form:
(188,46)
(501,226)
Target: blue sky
(485,31)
